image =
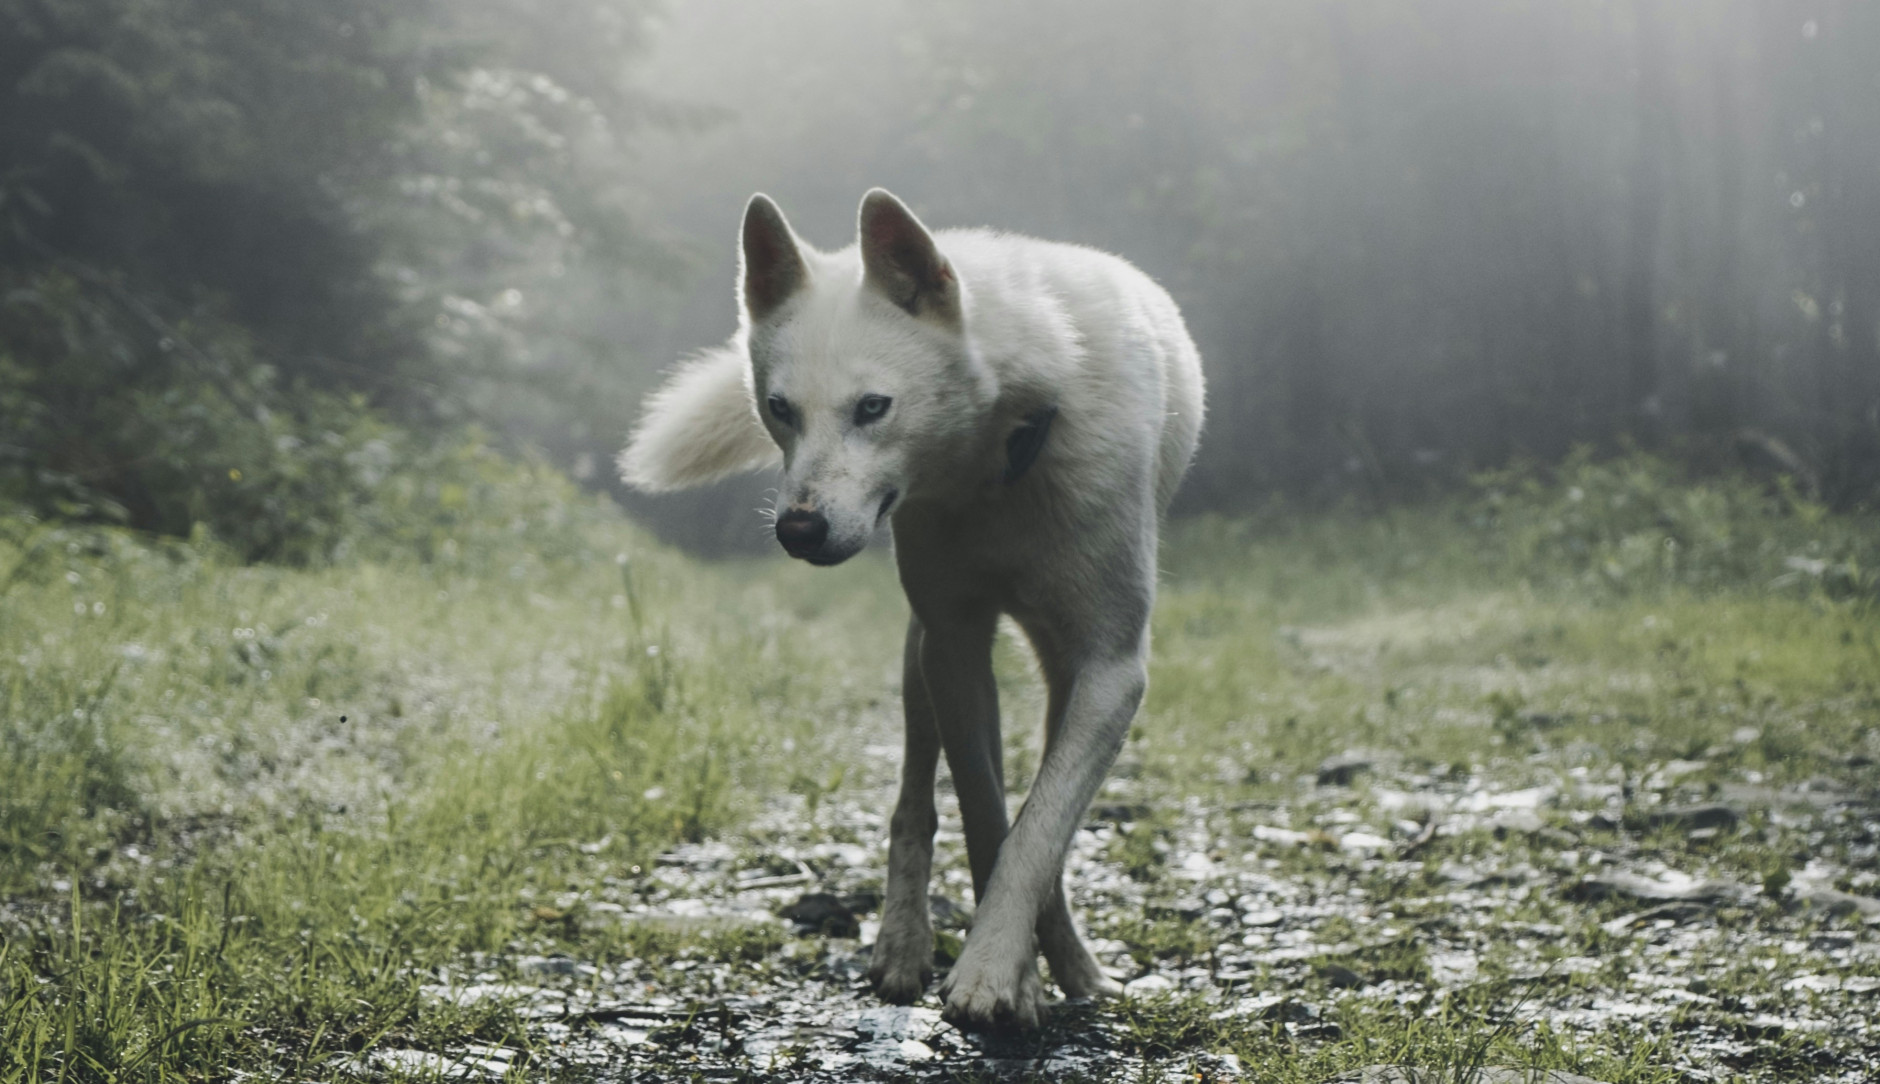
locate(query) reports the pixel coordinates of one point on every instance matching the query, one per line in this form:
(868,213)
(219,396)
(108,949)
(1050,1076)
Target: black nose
(802,532)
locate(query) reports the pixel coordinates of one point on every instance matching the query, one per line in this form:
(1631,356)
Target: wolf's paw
(993,992)
(1075,970)
(902,962)
(1092,984)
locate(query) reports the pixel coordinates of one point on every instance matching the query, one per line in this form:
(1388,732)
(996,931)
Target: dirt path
(1263,941)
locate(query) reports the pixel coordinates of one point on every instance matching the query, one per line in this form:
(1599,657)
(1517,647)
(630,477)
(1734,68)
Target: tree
(231,231)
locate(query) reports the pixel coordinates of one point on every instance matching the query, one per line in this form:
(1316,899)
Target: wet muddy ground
(1606,910)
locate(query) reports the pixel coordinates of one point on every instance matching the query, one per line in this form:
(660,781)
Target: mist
(1413,241)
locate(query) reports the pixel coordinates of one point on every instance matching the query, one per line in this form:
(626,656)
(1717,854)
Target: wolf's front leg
(903,956)
(1103,700)
(956,662)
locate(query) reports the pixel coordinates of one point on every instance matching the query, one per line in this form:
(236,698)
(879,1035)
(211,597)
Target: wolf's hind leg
(1074,969)
(903,958)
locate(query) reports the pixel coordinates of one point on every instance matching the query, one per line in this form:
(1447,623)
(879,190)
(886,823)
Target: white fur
(970,333)
(699,427)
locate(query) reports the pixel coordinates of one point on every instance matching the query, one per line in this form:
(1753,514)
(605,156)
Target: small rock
(947,914)
(1453,968)
(775,873)
(1693,818)
(1262,916)
(1277,1007)
(1556,837)
(1362,843)
(1526,798)
(1680,888)
(1186,908)
(1149,986)
(1269,834)
(1516,822)
(478,992)
(1120,812)
(862,902)
(1458,874)
(1471,877)
(1836,902)
(1339,977)
(1676,912)
(1340,770)
(547,965)
(1196,866)
(823,913)
(891,1021)
(419,1063)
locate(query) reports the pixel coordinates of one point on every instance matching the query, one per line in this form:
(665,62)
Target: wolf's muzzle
(802,532)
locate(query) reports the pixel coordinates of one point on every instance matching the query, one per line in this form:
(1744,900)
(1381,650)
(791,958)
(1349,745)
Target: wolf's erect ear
(773,267)
(902,262)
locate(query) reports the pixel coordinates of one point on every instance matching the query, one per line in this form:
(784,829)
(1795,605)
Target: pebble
(822,913)
(1693,818)
(1675,887)
(1341,770)
(1836,902)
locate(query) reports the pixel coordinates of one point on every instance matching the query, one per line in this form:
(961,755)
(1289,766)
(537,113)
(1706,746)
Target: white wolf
(1021,412)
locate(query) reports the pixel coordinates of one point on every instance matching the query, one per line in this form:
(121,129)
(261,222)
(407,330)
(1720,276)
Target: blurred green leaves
(258,258)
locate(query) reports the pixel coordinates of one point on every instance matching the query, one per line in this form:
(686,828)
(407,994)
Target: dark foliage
(237,237)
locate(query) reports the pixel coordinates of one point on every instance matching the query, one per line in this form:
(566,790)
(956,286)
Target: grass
(244,812)
(1277,649)
(247,812)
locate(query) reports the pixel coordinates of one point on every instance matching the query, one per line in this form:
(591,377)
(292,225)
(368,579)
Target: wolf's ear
(772,262)
(902,261)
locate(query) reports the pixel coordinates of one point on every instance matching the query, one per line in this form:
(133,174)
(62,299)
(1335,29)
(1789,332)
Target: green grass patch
(246,813)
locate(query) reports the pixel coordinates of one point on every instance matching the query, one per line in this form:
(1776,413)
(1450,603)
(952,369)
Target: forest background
(307,278)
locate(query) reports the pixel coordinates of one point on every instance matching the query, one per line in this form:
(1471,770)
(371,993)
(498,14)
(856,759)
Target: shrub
(112,425)
(1639,521)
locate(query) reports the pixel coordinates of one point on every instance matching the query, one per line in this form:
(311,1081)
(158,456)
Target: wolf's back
(1107,340)
(700,426)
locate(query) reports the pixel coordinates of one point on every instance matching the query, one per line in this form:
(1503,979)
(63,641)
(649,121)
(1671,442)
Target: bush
(1638,521)
(198,436)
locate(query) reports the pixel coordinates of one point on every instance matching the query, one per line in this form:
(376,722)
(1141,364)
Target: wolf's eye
(870,408)
(780,409)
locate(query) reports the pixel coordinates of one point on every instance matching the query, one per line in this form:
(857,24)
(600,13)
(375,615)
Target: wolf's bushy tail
(700,426)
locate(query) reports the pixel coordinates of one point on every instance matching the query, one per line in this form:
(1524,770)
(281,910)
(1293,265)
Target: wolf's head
(864,375)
